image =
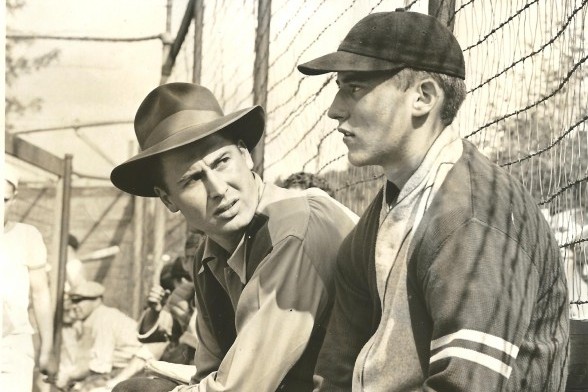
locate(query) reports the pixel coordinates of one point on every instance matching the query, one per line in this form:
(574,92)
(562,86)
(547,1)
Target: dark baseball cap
(385,41)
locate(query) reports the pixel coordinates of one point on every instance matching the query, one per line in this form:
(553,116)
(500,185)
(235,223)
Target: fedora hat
(174,115)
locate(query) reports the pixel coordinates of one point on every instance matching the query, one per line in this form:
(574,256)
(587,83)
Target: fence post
(260,72)
(444,10)
(158,208)
(63,236)
(198,27)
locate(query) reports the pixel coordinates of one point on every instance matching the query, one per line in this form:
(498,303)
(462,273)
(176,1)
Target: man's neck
(399,172)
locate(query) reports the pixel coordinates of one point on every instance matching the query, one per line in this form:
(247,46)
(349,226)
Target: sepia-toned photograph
(295,196)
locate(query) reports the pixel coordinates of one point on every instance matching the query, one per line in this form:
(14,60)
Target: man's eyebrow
(190,174)
(219,158)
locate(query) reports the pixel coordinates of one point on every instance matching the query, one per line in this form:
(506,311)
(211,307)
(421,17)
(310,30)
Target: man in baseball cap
(263,274)
(452,279)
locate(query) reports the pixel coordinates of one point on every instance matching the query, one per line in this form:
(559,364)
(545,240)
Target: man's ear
(164,197)
(245,153)
(429,94)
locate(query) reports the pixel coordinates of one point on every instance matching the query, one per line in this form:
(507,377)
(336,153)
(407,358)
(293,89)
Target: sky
(101,82)
(90,81)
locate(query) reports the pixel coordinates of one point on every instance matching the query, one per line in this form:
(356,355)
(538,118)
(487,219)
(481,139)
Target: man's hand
(156,297)
(47,364)
(61,381)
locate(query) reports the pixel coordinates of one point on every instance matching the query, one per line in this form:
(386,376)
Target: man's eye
(223,161)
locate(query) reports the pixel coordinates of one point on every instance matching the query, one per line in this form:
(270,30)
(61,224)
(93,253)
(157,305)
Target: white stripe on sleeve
(477,337)
(476,357)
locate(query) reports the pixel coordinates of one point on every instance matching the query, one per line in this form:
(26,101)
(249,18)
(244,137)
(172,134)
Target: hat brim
(341,61)
(132,176)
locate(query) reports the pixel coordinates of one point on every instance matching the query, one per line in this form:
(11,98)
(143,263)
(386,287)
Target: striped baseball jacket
(477,303)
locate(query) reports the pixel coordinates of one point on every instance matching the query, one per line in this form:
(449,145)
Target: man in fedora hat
(263,275)
(452,279)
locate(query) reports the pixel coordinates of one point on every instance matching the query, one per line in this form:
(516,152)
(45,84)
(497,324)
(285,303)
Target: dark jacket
(485,287)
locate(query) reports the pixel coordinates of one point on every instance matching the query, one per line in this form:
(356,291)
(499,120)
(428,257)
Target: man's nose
(337,110)
(216,185)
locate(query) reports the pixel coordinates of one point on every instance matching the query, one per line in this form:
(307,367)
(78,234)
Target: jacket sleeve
(208,355)
(480,288)
(350,326)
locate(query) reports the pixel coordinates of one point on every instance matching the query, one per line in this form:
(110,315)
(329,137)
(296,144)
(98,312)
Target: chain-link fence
(526,107)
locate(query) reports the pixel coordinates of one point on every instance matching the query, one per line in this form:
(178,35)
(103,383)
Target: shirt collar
(447,136)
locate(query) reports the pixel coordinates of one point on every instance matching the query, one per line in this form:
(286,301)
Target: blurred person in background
(22,275)
(305,180)
(167,316)
(452,280)
(107,349)
(263,274)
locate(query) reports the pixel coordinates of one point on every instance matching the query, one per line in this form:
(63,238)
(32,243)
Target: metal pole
(167,40)
(444,10)
(159,209)
(158,240)
(173,49)
(56,239)
(138,254)
(198,27)
(63,233)
(260,72)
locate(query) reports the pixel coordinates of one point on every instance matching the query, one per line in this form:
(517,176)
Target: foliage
(18,65)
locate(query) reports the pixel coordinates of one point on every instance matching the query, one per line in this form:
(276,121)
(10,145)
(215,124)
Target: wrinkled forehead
(203,150)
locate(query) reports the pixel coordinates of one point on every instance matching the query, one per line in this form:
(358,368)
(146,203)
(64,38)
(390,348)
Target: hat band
(177,122)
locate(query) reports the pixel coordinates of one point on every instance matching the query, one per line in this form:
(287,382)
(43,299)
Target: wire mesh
(526,106)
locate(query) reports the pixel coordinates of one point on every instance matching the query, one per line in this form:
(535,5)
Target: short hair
(172,272)
(453,87)
(306,180)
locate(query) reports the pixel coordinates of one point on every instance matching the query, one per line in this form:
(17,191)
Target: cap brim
(341,61)
(132,176)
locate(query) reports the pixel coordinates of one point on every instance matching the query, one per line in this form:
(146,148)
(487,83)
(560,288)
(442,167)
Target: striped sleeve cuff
(480,348)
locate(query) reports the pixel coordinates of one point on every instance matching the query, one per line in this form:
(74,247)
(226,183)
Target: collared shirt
(287,295)
(113,339)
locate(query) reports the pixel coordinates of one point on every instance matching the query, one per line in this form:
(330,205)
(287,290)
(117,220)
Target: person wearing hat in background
(263,275)
(108,350)
(452,279)
(22,275)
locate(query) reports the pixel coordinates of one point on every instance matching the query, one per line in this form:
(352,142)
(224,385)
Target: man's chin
(235,223)
(356,160)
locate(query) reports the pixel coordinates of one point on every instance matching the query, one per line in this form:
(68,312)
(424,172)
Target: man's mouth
(227,209)
(345,132)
